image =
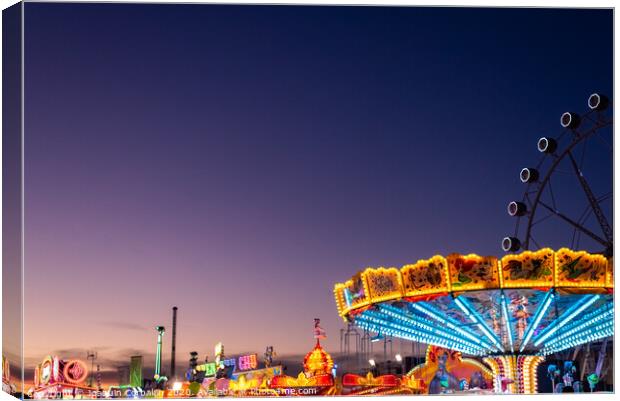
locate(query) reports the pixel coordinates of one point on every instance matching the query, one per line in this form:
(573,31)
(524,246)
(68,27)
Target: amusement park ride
(515,311)
(490,323)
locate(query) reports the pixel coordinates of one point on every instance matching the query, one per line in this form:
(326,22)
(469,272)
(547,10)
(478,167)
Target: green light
(160,335)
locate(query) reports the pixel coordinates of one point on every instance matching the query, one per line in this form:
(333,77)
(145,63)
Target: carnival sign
(75,371)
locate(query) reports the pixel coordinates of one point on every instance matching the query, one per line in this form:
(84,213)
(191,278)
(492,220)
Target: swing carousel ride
(510,312)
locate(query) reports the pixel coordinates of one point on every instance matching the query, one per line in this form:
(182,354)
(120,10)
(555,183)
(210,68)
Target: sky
(238,161)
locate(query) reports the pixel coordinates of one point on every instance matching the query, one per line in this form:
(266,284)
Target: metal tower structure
(354,347)
(174,342)
(99,377)
(92,356)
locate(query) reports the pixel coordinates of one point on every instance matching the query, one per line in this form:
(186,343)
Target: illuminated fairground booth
(316,379)
(505,315)
(57,378)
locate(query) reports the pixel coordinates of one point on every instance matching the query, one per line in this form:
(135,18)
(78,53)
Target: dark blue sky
(237,161)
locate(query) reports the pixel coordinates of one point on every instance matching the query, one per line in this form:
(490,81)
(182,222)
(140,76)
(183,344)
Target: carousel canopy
(533,303)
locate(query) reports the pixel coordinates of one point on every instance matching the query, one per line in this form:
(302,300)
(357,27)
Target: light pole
(160,335)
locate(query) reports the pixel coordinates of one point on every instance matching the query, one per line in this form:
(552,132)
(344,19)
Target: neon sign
(75,371)
(208,368)
(229,362)
(45,371)
(248,362)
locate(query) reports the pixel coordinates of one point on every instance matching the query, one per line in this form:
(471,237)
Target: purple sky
(238,161)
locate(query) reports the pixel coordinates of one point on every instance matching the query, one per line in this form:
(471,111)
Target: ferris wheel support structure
(538,184)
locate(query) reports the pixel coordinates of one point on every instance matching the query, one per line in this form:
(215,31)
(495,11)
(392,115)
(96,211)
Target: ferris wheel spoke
(575,225)
(542,219)
(582,221)
(583,154)
(600,138)
(551,192)
(607,231)
(605,197)
(535,243)
(596,120)
(572,147)
(578,239)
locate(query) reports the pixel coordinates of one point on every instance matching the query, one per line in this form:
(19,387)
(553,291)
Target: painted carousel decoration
(525,306)
(57,378)
(446,371)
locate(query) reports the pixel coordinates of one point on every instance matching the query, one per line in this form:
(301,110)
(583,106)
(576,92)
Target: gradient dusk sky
(237,161)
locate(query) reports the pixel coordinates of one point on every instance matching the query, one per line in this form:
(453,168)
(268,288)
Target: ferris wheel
(568,196)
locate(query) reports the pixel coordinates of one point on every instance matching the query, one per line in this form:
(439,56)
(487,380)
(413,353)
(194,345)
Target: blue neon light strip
(449,322)
(429,325)
(606,329)
(507,321)
(384,327)
(379,327)
(388,323)
(347,297)
(418,325)
(425,324)
(418,338)
(575,328)
(540,313)
(566,317)
(475,317)
(582,336)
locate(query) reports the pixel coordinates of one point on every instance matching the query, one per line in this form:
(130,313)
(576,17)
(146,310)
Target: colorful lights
(209,368)
(422,325)
(247,362)
(528,269)
(473,272)
(318,361)
(430,276)
(522,307)
(449,322)
(507,321)
(580,269)
(597,318)
(75,371)
(604,329)
(45,371)
(542,310)
(569,315)
(527,366)
(475,317)
(380,323)
(59,376)
(383,284)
